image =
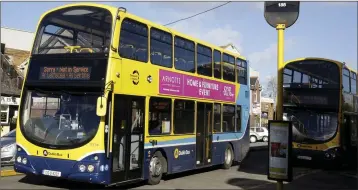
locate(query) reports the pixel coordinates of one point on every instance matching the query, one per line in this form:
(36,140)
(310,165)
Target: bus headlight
(101,168)
(95,157)
(333,155)
(82,168)
(24,161)
(18,159)
(327,155)
(90,168)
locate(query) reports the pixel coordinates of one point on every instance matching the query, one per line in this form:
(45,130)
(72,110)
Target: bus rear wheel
(229,157)
(156,169)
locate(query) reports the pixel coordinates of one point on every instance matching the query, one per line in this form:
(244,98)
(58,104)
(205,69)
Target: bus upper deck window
(74,30)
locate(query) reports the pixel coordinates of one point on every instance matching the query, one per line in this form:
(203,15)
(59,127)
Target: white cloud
(201,26)
(223,36)
(216,35)
(265,61)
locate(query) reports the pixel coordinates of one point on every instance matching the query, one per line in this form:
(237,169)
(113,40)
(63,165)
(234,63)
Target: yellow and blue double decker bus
(111,98)
(320,98)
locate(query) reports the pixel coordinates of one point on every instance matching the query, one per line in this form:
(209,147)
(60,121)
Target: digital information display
(280,147)
(65,73)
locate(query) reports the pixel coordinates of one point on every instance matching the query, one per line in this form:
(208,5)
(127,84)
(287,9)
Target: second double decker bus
(320,97)
(111,98)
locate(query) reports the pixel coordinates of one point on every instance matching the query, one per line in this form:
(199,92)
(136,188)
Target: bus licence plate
(51,173)
(304,157)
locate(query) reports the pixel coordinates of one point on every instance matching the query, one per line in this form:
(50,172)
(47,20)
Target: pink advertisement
(184,85)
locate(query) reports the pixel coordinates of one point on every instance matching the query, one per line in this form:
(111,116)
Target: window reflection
(311,75)
(311,125)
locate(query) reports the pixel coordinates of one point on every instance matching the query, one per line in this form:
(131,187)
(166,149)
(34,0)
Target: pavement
(258,146)
(8,171)
(251,174)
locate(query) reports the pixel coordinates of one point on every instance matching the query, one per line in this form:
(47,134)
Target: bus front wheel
(229,157)
(156,169)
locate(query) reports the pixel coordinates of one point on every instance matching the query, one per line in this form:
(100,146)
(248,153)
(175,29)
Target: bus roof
(108,7)
(342,64)
(153,24)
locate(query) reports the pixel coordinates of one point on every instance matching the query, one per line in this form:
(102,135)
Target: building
(15,51)
(231,47)
(267,110)
(255,102)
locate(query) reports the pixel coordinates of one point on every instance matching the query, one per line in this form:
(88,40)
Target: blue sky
(323,29)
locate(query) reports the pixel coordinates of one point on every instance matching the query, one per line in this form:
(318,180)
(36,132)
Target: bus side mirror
(101,106)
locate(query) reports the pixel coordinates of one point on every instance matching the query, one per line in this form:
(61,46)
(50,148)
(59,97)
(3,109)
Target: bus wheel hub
(155,166)
(227,156)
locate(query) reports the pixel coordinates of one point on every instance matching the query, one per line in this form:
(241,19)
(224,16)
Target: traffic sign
(281,12)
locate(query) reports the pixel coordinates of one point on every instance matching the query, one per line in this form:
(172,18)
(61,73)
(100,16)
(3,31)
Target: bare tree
(9,77)
(271,88)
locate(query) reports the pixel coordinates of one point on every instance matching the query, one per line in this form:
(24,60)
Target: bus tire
(228,157)
(156,168)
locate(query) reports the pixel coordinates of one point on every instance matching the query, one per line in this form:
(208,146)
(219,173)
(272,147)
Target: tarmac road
(251,174)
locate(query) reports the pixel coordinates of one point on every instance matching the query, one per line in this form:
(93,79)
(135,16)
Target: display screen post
(280,149)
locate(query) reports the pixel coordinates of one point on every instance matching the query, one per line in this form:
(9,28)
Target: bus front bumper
(316,156)
(66,169)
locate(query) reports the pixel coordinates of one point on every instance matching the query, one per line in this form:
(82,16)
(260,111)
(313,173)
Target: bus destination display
(65,73)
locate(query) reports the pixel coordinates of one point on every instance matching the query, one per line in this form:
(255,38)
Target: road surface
(250,175)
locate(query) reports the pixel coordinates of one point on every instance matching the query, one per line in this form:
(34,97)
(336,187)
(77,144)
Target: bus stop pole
(280,65)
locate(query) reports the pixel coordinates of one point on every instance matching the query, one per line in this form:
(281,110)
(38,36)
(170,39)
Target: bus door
(128,137)
(354,139)
(353,131)
(346,137)
(350,137)
(204,124)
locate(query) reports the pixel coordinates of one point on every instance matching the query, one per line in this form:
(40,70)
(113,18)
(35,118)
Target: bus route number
(282,5)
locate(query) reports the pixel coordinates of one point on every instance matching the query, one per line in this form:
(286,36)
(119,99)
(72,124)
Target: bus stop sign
(281,12)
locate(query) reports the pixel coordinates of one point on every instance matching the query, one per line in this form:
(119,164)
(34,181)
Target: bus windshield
(319,79)
(78,29)
(310,126)
(59,118)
